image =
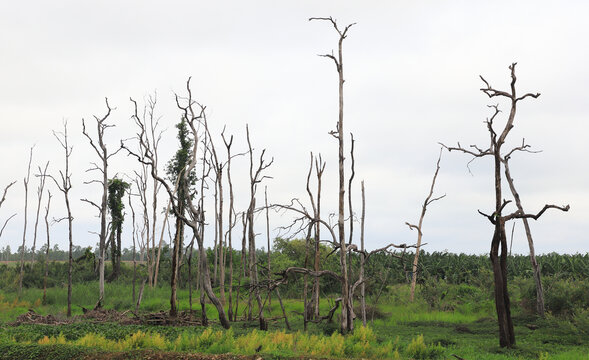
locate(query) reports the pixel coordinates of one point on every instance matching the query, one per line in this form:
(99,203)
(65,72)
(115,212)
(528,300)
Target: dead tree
(305,221)
(268,239)
(193,113)
(64,184)
(154,140)
(256,177)
(48,246)
(316,206)
(24,232)
(217,167)
(42,176)
(419,227)
(1,202)
(201,223)
(499,240)
(102,168)
(363,258)
(232,220)
(347,323)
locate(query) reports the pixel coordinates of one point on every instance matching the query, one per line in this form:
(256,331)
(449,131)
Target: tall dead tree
(363,258)
(101,150)
(419,227)
(232,219)
(42,176)
(499,240)
(319,168)
(154,140)
(193,113)
(64,184)
(268,240)
(24,232)
(347,323)
(217,167)
(256,177)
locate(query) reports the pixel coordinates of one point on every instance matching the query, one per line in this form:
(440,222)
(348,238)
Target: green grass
(464,324)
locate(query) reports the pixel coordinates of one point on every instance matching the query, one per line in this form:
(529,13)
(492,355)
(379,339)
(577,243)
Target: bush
(418,350)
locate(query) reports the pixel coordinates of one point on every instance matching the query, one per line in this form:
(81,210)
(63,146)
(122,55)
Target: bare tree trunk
(217,235)
(48,246)
(221,238)
(24,233)
(419,227)
(42,176)
(70,258)
(255,178)
(319,168)
(536,269)
(232,220)
(305,283)
(362,259)
(64,185)
(347,321)
(159,248)
(134,251)
(175,258)
(243,272)
(191,246)
(268,238)
(282,307)
(103,154)
(203,309)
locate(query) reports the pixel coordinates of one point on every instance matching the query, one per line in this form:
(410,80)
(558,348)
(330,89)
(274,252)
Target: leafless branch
(5,223)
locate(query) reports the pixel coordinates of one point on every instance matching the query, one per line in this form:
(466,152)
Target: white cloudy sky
(411,81)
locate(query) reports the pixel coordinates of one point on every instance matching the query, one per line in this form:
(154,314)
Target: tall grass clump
(417,349)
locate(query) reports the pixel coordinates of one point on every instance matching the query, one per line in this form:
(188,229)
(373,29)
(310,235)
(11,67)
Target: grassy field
(400,330)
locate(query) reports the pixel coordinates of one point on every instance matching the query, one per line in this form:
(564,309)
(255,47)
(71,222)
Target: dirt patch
(184,318)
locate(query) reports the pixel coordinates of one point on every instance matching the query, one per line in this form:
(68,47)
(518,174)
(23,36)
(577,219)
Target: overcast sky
(412,80)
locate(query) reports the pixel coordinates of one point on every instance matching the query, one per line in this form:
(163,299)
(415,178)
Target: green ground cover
(460,322)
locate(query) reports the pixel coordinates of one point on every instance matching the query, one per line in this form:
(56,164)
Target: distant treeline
(382,269)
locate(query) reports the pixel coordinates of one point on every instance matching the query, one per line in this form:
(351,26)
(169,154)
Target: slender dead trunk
(221,237)
(319,168)
(48,246)
(535,268)
(24,233)
(70,258)
(191,246)
(64,185)
(232,220)
(346,321)
(134,244)
(42,176)
(175,258)
(362,258)
(103,155)
(268,238)
(419,227)
(159,248)
(217,235)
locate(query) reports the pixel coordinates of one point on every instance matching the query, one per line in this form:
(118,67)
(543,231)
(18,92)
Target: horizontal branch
(519,215)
